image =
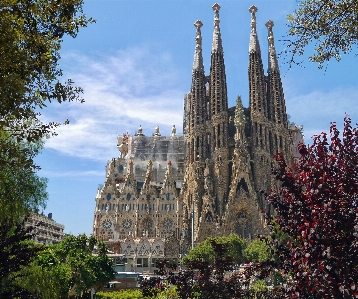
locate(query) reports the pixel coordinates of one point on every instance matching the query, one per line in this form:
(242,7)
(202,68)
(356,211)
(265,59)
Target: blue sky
(135,67)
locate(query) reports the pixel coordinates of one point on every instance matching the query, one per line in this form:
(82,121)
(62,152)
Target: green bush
(259,286)
(124,294)
(137,294)
(170,293)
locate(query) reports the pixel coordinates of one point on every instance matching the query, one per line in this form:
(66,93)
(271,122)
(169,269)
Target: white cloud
(316,110)
(143,87)
(123,91)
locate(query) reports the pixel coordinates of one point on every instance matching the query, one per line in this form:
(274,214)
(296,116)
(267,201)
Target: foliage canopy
(317,207)
(16,250)
(257,251)
(331,25)
(205,250)
(68,268)
(21,189)
(30,41)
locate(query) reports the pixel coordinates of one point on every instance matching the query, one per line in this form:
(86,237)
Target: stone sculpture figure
(174,130)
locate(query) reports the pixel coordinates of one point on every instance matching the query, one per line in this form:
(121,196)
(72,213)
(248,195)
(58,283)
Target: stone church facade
(177,189)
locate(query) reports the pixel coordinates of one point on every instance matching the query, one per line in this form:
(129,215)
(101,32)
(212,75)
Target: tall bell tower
(219,116)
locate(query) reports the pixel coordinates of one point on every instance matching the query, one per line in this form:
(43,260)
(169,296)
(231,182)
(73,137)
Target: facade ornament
(123,145)
(174,130)
(253,9)
(140,131)
(269,24)
(239,119)
(156,131)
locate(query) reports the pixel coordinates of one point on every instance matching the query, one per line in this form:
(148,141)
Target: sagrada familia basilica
(165,193)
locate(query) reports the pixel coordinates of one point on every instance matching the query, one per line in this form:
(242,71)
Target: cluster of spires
(200,108)
(206,117)
(217,41)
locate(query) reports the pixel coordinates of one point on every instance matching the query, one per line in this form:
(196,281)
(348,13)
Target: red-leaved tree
(316,205)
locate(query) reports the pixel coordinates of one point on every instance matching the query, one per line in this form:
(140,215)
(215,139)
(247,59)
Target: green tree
(16,250)
(70,268)
(206,253)
(330,25)
(31,35)
(21,189)
(257,251)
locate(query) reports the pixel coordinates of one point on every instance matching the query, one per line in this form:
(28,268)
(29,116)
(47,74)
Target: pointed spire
(169,171)
(198,54)
(240,118)
(276,98)
(218,88)
(168,182)
(272,58)
(131,166)
(129,181)
(217,43)
(254,42)
(239,121)
(148,175)
(258,105)
(197,101)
